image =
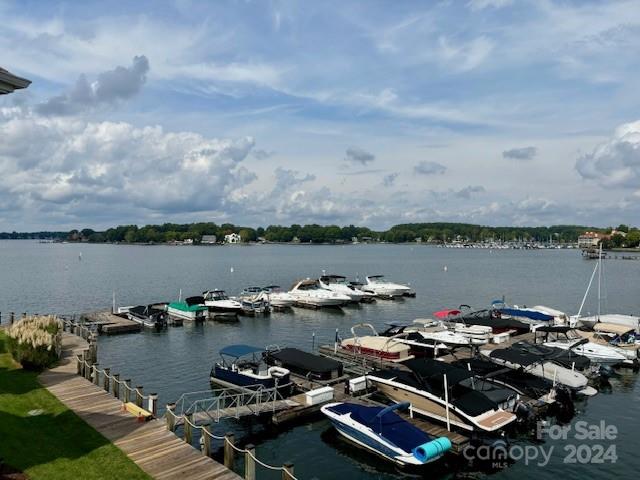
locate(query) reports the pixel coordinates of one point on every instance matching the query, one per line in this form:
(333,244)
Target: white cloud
(476,5)
(616,162)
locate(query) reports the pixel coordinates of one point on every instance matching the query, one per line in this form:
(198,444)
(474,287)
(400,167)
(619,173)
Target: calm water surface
(70,278)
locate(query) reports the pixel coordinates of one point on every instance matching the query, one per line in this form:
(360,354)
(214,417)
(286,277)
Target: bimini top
(447,313)
(240,350)
(293,357)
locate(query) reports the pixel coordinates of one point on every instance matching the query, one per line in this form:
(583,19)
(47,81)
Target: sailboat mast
(599,278)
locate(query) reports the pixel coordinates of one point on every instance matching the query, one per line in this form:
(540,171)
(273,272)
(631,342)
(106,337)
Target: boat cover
(240,350)
(526,313)
(390,426)
(300,360)
(198,300)
(429,370)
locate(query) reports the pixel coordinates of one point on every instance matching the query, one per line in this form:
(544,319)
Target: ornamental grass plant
(35,341)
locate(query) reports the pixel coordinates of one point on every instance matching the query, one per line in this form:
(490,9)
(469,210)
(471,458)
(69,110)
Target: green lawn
(56,444)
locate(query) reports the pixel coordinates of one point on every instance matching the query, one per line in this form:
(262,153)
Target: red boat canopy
(446,313)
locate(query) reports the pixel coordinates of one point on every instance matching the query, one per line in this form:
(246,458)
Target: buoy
(445,268)
(231,269)
(80,256)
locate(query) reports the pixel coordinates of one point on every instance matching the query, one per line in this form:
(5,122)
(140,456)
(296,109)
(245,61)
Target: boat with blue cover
(243,366)
(382,431)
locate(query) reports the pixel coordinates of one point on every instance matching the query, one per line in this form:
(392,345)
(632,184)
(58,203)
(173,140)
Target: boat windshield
(377,279)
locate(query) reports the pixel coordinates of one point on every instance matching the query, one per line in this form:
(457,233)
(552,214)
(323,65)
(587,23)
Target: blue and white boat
(380,430)
(244,366)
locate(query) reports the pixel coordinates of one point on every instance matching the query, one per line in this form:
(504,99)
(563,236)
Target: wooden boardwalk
(160,453)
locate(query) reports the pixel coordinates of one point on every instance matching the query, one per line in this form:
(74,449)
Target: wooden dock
(150,445)
(111,324)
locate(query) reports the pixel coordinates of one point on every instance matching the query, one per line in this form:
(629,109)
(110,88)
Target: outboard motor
(524,413)
(564,408)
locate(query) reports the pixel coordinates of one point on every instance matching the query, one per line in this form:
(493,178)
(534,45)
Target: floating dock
(110,324)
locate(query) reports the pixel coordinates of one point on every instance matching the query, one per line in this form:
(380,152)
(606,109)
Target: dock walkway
(150,445)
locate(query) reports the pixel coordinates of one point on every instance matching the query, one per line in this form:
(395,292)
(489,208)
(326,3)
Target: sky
(496,112)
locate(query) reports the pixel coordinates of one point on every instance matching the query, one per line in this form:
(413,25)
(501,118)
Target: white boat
(383,432)
(630,321)
(377,285)
(187,310)
(219,304)
(435,331)
(309,293)
(567,338)
(374,345)
(622,338)
(547,369)
(279,298)
(254,301)
(449,394)
(339,284)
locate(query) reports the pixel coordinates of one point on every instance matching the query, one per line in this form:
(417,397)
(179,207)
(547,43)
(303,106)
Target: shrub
(35,341)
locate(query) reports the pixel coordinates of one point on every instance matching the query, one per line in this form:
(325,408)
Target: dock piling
(80,364)
(229,452)
(116,385)
(169,416)
(12,317)
(153,404)
(95,374)
(206,441)
(106,380)
(287,471)
(249,462)
(127,390)
(139,396)
(188,430)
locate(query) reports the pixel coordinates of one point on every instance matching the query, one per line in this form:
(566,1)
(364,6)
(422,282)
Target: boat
(567,338)
(428,332)
(369,297)
(243,366)
(523,314)
(448,394)
(375,345)
(191,309)
(148,316)
(590,321)
(381,431)
(339,284)
(623,339)
(220,305)
(540,365)
(309,293)
(278,298)
(254,301)
(419,347)
(379,286)
(303,364)
(483,317)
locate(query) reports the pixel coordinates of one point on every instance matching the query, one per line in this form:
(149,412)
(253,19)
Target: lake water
(72,278)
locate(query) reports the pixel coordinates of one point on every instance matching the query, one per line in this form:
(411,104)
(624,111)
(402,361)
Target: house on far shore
(232,238)
(208,240)
(590,239)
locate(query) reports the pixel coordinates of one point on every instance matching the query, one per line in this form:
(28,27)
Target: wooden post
(287,471)
(127,392)
(188,430)
(115,388)
(93,347)
(153,404)
(79,363)
(139,397)
(229,452)
(96,375)
(106,381)
(249,462)
(171,420)
(206,441)
(12,318)
(87,359)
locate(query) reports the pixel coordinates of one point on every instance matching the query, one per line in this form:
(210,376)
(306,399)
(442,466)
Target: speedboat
(368,297)
(148,316)
(303,364)
(220,305)
(542,366)
(242,366)
(567,338)
(374,345)
(383,432)
(448,394)
(278,298)
(623,339)
(379,286)
(531,316)
(191,309)
(254,301)
(309,293)
(339,284)
(630,321)
(486,318)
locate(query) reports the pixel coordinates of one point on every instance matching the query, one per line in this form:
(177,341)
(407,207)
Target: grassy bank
(44,439)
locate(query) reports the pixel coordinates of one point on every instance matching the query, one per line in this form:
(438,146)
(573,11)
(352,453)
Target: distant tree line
(427,232)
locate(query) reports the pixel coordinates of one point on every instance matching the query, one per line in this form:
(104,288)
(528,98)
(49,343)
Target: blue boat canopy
(526,313)
(240,350)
